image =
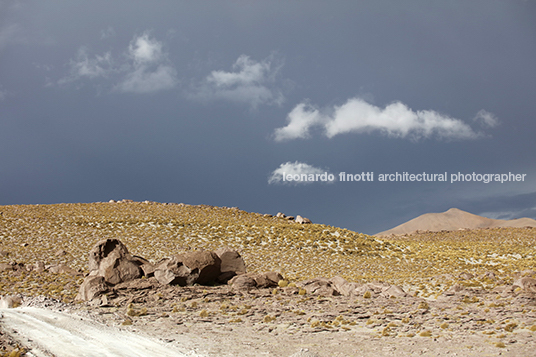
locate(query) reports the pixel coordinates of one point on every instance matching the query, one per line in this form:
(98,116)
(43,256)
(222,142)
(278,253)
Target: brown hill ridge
(454,219)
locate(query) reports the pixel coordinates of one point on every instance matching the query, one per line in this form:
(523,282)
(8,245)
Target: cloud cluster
(293,168)
(150,70)
(395,120)
(486,119)
(250,82)
(144,69)
(85,66)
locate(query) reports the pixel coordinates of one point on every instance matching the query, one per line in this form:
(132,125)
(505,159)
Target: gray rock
(267,279)
(110,259)
(206,265)
(231,261)
(173,272)
(302,220)
(242,283)
(342,286)
(319,286)
(393,291)
(92,287)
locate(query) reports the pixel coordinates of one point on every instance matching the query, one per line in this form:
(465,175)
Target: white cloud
(150,70)
(144,69)
(84,66)
(306,172)
(486,119)
(249,72)
(143,81)
(300,119)
(145,50)
(359,116)
(250,82)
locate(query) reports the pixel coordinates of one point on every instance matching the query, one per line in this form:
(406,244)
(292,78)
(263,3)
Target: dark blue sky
(209,103)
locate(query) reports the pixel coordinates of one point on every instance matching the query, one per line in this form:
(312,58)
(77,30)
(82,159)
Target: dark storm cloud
(182,102)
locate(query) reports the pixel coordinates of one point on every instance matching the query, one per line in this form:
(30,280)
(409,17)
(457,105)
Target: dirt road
(50,333)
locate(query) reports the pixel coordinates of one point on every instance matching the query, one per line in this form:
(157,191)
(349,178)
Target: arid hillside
(474,287)
(454,219)
(44,248)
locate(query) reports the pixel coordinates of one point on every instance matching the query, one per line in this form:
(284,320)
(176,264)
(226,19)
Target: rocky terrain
(221,281)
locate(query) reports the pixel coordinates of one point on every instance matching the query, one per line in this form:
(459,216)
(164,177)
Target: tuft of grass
(268,319)
(203,313)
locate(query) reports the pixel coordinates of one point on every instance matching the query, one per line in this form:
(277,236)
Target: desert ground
(465,292)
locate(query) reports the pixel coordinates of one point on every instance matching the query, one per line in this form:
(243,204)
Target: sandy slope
(454,219)
(51,333)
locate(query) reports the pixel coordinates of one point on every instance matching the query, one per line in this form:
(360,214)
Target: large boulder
(267,279)
(110,259)
(201,267)
(260,280)
(92,287)
(146,266)
(242,283)
(231,264)
(231,261)
(172,271)
(206,265)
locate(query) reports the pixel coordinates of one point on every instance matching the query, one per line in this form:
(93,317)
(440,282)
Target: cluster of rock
(317,286)
(111,267)
(110,264)
(246,282)
(39,267)
(298,219)
(339,286)
(125,200)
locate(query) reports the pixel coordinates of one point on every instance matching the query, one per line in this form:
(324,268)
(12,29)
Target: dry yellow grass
(155,230)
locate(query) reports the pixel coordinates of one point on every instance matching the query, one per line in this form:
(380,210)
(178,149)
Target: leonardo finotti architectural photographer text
(404,177)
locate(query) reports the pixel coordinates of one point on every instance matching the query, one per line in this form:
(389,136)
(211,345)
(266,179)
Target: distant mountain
(454,219)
